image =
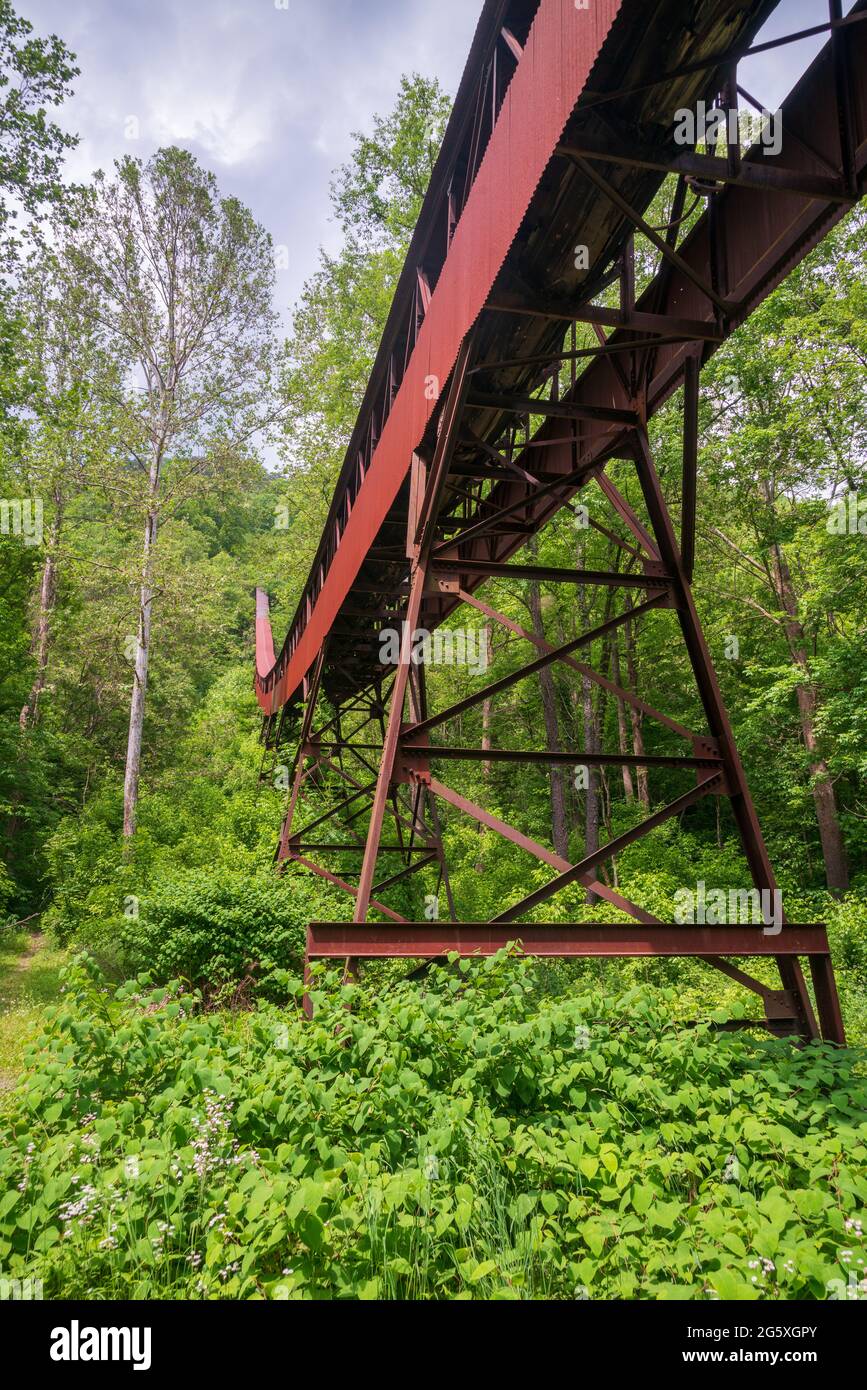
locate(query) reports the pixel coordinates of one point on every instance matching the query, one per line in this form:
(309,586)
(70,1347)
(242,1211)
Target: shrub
(216,927)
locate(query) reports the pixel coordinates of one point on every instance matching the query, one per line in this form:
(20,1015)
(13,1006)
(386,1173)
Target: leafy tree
(35,73)
(180,282)
(343,307)
(786,438)
(378,193)
(69,429)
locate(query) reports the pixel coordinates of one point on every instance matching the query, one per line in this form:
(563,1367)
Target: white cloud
(266,97)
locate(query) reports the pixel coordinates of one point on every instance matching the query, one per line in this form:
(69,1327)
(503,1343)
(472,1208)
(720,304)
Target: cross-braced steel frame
(494,466)
(393,780)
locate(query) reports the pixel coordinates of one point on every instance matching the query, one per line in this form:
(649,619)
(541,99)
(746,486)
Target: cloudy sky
(267,92)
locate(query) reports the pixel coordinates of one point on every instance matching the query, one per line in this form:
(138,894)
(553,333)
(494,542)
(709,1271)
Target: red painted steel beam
(506,301)
(264,638)
(533,667)
(335,940)
(341,883)
(516,837)
(303,847)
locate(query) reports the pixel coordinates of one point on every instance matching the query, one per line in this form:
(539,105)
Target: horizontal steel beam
(550,574)
(764,176)
(531,405)
(639,321)
(512,755)
(562,357)
(339,940)
(304,847)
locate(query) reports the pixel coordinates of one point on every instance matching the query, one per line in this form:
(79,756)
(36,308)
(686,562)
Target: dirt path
(29,981)
(34,944)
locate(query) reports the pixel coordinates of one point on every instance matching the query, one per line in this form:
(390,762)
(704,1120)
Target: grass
(29,979)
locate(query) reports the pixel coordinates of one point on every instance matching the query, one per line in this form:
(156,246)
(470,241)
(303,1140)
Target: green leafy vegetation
(172,1124)
(471,1138)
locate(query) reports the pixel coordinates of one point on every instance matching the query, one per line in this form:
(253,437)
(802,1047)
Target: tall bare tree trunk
(140,679)
(42,635)
(559,823)
(824,799)
(487,704)
(635,717)
(591,797)
(591,743)
(628,785)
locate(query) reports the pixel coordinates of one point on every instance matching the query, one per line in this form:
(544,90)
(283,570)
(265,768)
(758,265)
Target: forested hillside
(463,1142)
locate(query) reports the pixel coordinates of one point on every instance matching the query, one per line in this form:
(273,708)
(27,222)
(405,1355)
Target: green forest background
(154,459)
